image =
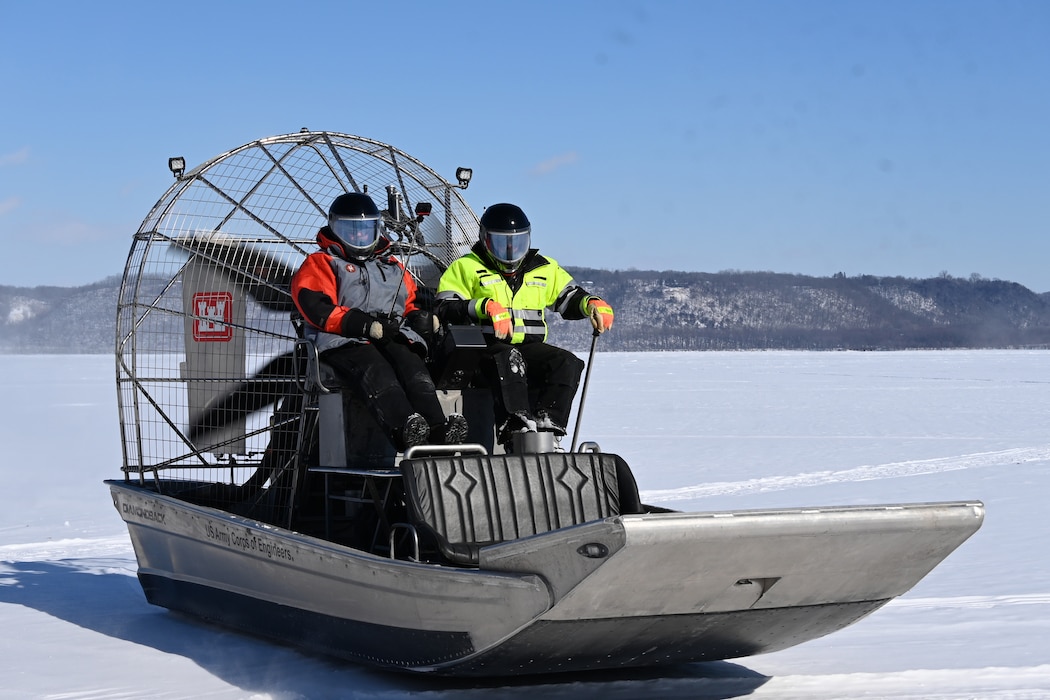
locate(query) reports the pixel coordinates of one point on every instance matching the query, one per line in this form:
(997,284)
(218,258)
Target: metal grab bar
(468,448)
(305,355)
(415,539)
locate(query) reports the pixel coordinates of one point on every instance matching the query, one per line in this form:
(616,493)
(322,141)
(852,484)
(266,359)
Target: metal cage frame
(204,306)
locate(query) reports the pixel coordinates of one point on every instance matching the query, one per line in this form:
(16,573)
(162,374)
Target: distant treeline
(668,310)
(734,310)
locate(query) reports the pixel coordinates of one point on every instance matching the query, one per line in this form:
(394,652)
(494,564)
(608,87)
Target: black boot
(545,422)
(455,430)
(416,431)
(520,422)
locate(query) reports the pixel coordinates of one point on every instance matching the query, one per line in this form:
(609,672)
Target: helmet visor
(508,248)
(357,234)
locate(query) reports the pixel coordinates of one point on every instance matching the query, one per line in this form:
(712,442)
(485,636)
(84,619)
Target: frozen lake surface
(702,431)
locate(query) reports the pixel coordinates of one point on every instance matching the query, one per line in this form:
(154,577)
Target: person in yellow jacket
(506,286)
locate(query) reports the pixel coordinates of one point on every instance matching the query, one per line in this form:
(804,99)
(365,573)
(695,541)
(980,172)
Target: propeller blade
(271,383)
(267,279)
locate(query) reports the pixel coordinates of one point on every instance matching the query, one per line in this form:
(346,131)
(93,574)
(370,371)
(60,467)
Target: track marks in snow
(975,602)
(993,682)
(892,470)
(118,546)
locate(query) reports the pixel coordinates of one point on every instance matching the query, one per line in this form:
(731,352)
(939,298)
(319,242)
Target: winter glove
(374,327)
(601,315)
(383,329)
(423,322)
(501,322)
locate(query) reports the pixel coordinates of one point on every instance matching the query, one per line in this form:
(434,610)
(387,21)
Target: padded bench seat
(466,502)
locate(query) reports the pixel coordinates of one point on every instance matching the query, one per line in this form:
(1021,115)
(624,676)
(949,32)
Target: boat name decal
(142,513)
(247,542)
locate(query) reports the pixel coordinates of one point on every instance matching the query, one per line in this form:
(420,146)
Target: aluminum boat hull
(629,590)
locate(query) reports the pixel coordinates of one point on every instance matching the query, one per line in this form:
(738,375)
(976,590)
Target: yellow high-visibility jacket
(540,283)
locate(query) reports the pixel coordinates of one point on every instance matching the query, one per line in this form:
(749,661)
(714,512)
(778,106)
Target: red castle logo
(213,312)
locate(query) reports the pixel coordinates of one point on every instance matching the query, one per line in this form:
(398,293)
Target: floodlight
(464,175)
(177,166)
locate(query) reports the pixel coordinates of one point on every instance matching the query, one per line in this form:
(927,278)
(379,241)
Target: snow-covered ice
(702,431)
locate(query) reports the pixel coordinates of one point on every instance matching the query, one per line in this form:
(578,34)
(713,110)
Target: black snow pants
(532,377)
(392,380)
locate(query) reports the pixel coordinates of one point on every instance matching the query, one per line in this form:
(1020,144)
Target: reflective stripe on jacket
(544,284)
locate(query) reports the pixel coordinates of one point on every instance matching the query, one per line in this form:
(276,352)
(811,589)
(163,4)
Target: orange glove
(501,322)
(601,315)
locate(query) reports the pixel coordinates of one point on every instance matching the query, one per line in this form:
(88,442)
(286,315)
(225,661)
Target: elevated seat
(348,434)
(466,502)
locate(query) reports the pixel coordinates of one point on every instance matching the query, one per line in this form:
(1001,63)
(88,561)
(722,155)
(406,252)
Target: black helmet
(354,221)
(506,235)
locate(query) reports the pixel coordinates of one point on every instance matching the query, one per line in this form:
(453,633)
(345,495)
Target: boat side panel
(192,545)
(721,585)
(364,642)
(551,646)
(684,564)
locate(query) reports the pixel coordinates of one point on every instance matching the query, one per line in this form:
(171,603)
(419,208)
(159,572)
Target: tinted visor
(357,234)
(508,248)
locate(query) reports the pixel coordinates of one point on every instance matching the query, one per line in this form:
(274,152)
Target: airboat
(261,497)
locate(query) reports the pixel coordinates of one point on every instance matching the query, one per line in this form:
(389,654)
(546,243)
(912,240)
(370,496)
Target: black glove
(383,329)
(423,322)
(377,328)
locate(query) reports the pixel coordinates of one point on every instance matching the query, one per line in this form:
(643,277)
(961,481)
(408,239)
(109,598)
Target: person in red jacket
(360,306)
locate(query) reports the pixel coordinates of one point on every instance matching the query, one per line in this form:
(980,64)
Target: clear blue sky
(885,137)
